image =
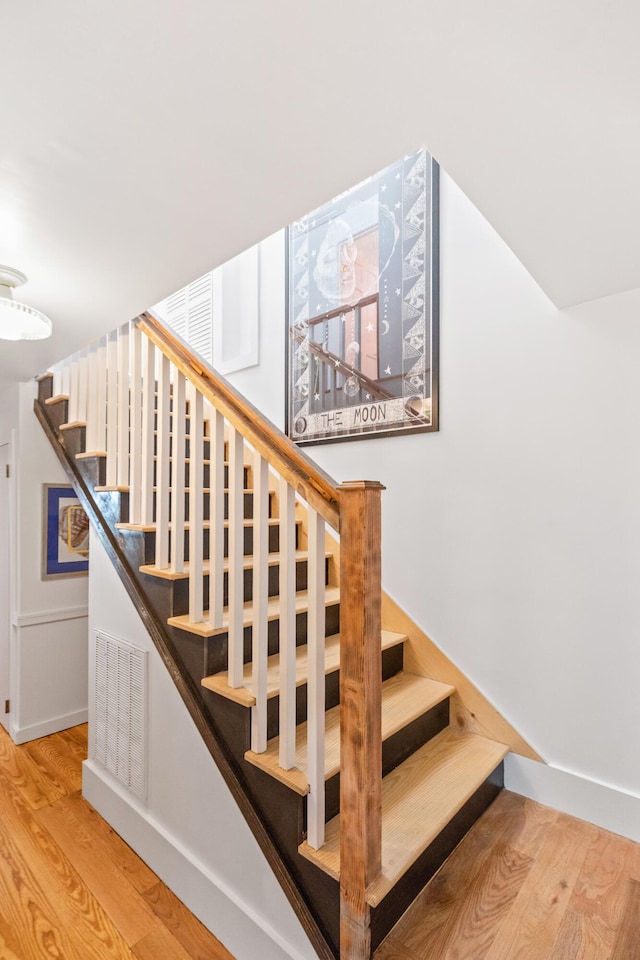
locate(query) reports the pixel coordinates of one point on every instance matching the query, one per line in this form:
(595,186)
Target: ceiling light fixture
(17,320)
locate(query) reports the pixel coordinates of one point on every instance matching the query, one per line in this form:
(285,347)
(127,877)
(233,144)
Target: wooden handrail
(307,479)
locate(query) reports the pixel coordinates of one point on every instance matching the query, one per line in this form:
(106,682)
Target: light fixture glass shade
(20,322)
(17,320)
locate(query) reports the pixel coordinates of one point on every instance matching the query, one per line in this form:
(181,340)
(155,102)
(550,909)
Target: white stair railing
(112,388)
(136,404)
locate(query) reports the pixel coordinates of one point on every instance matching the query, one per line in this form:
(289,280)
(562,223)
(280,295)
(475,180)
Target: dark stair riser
(395,749)
(74,439)
(112,504)
(94,470)
(206,505)
(273,541)
(206,478)
(217,646)
(391,664)
(58,413)
(206,448)
(181,587)
(45,389)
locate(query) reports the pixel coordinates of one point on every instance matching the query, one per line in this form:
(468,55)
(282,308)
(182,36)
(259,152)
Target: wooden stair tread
(57,399)
(187,436)
(419,798)
(273,560)
(150,527)
(243,695)
(206,628)
(250,490)
(405,697)
(72,425)
(91,453)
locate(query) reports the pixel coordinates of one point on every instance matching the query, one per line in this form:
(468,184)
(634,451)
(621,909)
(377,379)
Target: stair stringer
(189,691)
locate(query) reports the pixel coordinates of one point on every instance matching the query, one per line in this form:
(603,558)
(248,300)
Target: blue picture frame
(66,533)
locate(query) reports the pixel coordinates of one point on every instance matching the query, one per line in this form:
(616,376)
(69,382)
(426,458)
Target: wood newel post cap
(350,486)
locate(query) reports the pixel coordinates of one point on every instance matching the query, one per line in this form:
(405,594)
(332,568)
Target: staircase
(345,763)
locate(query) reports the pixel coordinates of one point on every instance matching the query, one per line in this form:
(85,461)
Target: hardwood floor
(70,888)
(527,883)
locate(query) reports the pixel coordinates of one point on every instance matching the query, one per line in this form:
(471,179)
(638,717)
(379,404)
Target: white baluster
(196,529)
(178,485)
(208,412)
(57,380)
(100,427)
(163,460)
(216,527)
(147,479)
(92,399)
(137,442)
(83,379)
(112,409)
(287,657)
(65,381)
(236,558)
(74,388)
(316,681)
(260,624)
(124,401)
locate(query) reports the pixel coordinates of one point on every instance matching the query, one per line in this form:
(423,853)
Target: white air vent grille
(189,313)
(119,733)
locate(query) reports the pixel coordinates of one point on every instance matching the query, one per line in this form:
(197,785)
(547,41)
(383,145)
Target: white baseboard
(599,803)
(47,727)
(244,932)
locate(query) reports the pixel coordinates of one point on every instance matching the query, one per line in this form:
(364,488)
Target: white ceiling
(144,143)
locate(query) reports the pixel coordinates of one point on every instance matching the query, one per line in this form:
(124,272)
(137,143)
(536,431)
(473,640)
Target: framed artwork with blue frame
(362,309)
(66,533)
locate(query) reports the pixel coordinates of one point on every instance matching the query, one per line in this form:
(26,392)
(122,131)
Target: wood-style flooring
(70,888)
(527,883)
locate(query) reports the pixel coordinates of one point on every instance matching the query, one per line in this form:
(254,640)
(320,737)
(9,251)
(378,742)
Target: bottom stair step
(419,798)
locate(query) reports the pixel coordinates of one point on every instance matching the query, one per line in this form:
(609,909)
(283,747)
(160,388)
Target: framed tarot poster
(362,309)
(65,550)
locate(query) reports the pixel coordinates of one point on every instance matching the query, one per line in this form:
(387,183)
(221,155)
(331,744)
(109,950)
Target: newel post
(360,716)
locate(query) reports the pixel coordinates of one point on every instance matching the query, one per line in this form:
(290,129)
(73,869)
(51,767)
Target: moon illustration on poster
(385,324)
(351,386)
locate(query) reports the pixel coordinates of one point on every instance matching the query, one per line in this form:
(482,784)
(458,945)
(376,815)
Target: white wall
(190,831)
(512,536)
(48,670)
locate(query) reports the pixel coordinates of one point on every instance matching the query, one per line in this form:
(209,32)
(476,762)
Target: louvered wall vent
(119,732)
(189,313)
